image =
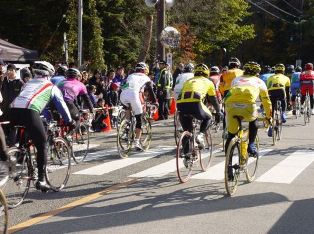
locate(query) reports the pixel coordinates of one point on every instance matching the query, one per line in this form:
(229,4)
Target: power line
(272,14)
(279,9)
(289,4)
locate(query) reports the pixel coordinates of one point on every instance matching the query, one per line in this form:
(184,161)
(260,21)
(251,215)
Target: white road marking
(217,172)
(121,163)
(289,168)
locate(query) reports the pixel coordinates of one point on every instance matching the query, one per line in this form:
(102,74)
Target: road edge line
(71,205)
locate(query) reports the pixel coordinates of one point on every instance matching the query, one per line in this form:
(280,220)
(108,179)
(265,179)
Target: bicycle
(277,122)
(24,156)
(126,134)
(307,108)
(4,216)
(297,105)
(177,127)
(186,161)
(238,160)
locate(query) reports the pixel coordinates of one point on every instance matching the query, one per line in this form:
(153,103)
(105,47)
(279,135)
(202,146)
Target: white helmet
(43,68)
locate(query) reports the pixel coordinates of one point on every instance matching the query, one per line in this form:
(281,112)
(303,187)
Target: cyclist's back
(295,87)
(182,78)
(307,82)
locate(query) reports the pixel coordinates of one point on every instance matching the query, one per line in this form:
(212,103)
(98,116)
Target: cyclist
(132,94)
(186,75)
(307,82)
(191,100)
(241,101)
(71,89)
(295,87)
(228,76)
(59,75)
(214,76)
(279,89)
(268,72)
(27,106)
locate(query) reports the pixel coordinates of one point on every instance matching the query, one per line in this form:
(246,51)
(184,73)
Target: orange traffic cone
(156,115)
(172,106)
(107,122)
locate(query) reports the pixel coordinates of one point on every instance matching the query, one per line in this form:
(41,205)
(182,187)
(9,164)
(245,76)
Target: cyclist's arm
(89,103)
(149,87)
(213,100)
(59,103)
(266,102)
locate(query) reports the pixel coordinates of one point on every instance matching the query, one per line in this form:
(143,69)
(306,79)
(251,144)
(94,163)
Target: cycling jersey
(227,78)
(71,89)
(37,93)
(307,82)
(265,77)
(196,90)
(278,81)
(180,81)
(131,89)
(246,90)
(56,79)
(216,80)
(295,82)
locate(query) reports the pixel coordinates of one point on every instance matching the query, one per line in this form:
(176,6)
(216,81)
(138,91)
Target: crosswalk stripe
(217,172)
(121,163)
(288,169)
(161,169)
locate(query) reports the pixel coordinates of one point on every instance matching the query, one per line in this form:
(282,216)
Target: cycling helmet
(188,67)
(201,69)
(290,68)
(234,61)
(43,68)
(298,69)
(268,69)
(61,70)
(279,67)
(215,69)
(142,67)
(308,66)
(72,73)
(252,68)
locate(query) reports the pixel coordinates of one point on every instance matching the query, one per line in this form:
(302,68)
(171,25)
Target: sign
(298,62)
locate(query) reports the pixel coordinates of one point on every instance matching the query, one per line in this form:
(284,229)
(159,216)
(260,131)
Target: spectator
(85,77)
(98,82)
(91,90)
(98,123)
(1,69)
(26,74)
(176,73)
(119,77)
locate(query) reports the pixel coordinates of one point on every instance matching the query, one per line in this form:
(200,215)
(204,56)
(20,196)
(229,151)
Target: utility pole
(161,15)
(80,32)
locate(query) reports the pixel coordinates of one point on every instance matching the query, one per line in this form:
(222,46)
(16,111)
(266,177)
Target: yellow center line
(69,206)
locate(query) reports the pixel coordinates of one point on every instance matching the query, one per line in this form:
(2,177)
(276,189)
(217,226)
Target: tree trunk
(147,39)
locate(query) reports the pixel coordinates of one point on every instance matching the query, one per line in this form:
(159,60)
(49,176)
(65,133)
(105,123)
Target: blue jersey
(265,77)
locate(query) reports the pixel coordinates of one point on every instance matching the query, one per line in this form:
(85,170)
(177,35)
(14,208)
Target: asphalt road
(142,194)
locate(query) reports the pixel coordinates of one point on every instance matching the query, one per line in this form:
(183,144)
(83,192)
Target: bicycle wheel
(279,124)
(252,164)
(275,127)
(4,216)
(124,138)
(297,107)
(58,164)
(146,134)
(80,145)
(177,127)
(207,153)
(17,187)
(308,110)
(184,162)
(232,167)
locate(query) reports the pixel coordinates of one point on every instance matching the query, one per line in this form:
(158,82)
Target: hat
(163,62)
(11,66)
(1,62)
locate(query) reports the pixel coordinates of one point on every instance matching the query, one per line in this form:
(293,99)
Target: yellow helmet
(252,68)
(280,67)
(202,68)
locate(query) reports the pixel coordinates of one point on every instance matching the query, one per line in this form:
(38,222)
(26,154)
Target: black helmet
(298,69)
(72,73)
(214,69)
(188,67)
(61,70)
(234,62)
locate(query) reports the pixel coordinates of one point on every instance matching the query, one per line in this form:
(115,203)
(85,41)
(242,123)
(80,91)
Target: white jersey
(180,81)
(131,89)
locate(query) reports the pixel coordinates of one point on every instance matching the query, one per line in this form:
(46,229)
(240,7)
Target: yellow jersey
(196,89)
(227,78)
(278,81)
(246,90)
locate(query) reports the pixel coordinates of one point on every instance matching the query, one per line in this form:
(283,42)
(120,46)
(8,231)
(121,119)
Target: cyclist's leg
(186,121)
(311,96)
(75,114)
(231,122)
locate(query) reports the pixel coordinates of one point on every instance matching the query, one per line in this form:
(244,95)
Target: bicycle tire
(297,108)
(17,187)
(279,132)
(80,144)
(124,138)
(232,159)
(184,164)
(59,161)
(252,164)
(275,128)
(146,134)
(224,137)
(207,153)
(177,125)
(4,216)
